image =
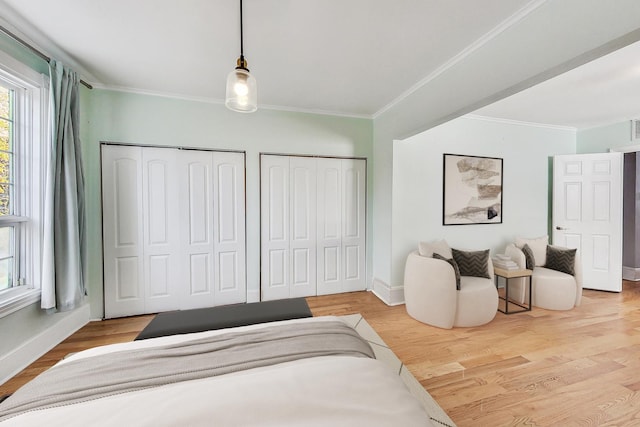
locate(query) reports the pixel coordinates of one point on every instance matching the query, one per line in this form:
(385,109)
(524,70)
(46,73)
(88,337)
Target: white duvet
(321,391)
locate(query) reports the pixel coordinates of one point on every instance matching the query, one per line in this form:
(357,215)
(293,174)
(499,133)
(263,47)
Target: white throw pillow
(538,246)
(440,247)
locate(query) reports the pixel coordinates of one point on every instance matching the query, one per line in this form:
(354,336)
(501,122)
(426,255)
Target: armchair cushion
(561,259)
(475,264)
(538,246)
(530,259)
(477,302)
(554,290)
(454,264)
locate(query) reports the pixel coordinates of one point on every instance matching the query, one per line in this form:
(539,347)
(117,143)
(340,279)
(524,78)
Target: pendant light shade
(242,91)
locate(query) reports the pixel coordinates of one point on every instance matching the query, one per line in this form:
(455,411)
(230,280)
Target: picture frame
(472,189)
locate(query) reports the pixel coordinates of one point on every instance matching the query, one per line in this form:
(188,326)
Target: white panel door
(587,214)
(274,228)
(174,227)
(302,226)
(162,260)
(330,217)
(122,232)
(229,231)
(353,225)
(312,226)
(196,199)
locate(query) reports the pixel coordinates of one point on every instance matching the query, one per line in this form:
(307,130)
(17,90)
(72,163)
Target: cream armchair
(431,296)
(550,289)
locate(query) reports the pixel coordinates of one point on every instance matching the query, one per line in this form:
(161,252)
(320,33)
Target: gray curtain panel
(63,266)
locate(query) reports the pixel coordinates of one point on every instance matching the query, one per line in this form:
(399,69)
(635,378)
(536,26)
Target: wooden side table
(512,274)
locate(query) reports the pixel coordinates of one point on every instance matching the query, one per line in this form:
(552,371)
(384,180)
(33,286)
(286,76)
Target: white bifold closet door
(341,226)
(313,226)
(173,229)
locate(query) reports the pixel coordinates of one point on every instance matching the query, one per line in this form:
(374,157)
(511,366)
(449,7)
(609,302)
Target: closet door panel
(196,199)
(313,226)
(329,226)
(162,260)
(128,286)
(275,228)
(302,245)
(353,225)
(122,237)
(229,231)
(174,227)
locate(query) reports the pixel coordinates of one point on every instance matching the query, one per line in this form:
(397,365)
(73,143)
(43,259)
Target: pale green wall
(18,327)
(143,119)
(601,139)
(23,54)
(417,184)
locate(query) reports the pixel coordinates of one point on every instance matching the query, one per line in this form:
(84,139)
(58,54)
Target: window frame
(31,135)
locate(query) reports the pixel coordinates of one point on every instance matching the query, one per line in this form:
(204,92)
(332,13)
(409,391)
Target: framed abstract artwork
(472,190)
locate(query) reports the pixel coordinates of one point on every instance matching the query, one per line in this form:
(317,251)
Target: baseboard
(15,361)
(388,294)
(631,273)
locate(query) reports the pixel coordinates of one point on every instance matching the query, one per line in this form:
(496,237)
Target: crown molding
(492,34)
(319,112)
(171,95)
(216,101)
(519,122)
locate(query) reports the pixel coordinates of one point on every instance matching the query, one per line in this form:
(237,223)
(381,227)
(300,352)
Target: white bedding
(321,391)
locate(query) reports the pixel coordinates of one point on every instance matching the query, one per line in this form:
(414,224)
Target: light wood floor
(580,367)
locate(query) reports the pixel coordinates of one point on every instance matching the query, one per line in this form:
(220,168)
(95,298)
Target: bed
(311,372)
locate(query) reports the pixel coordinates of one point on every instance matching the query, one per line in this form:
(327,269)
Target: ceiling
(352,58)
(603,91)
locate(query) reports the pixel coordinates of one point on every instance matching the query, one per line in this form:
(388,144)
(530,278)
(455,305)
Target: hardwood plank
(538,368)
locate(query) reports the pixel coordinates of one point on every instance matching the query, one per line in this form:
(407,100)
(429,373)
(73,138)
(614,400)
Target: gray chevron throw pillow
(453,263)
(472,263)
(530,260)
(561,259)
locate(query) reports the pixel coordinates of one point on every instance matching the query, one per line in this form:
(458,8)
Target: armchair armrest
(578,277)
(516,255)
(430,290)
(519,290)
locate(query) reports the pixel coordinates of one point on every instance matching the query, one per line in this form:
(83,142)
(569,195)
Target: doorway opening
(631,217)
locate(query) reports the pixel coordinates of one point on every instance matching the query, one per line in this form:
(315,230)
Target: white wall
(417,184)
(143,119)
(554,37)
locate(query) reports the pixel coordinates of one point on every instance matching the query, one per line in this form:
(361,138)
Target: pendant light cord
(241,37)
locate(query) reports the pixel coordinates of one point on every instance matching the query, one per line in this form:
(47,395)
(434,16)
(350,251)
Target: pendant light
(242,93)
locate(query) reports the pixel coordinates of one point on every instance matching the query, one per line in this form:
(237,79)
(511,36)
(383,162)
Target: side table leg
(530,296)
(506,295)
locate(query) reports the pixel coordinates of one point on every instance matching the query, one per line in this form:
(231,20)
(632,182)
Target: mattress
(315,391)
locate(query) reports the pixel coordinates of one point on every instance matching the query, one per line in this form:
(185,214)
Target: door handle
(561,228)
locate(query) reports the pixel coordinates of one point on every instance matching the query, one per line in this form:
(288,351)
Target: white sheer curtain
(63,264)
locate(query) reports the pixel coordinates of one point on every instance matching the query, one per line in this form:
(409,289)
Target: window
(23,104)
(8,271)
